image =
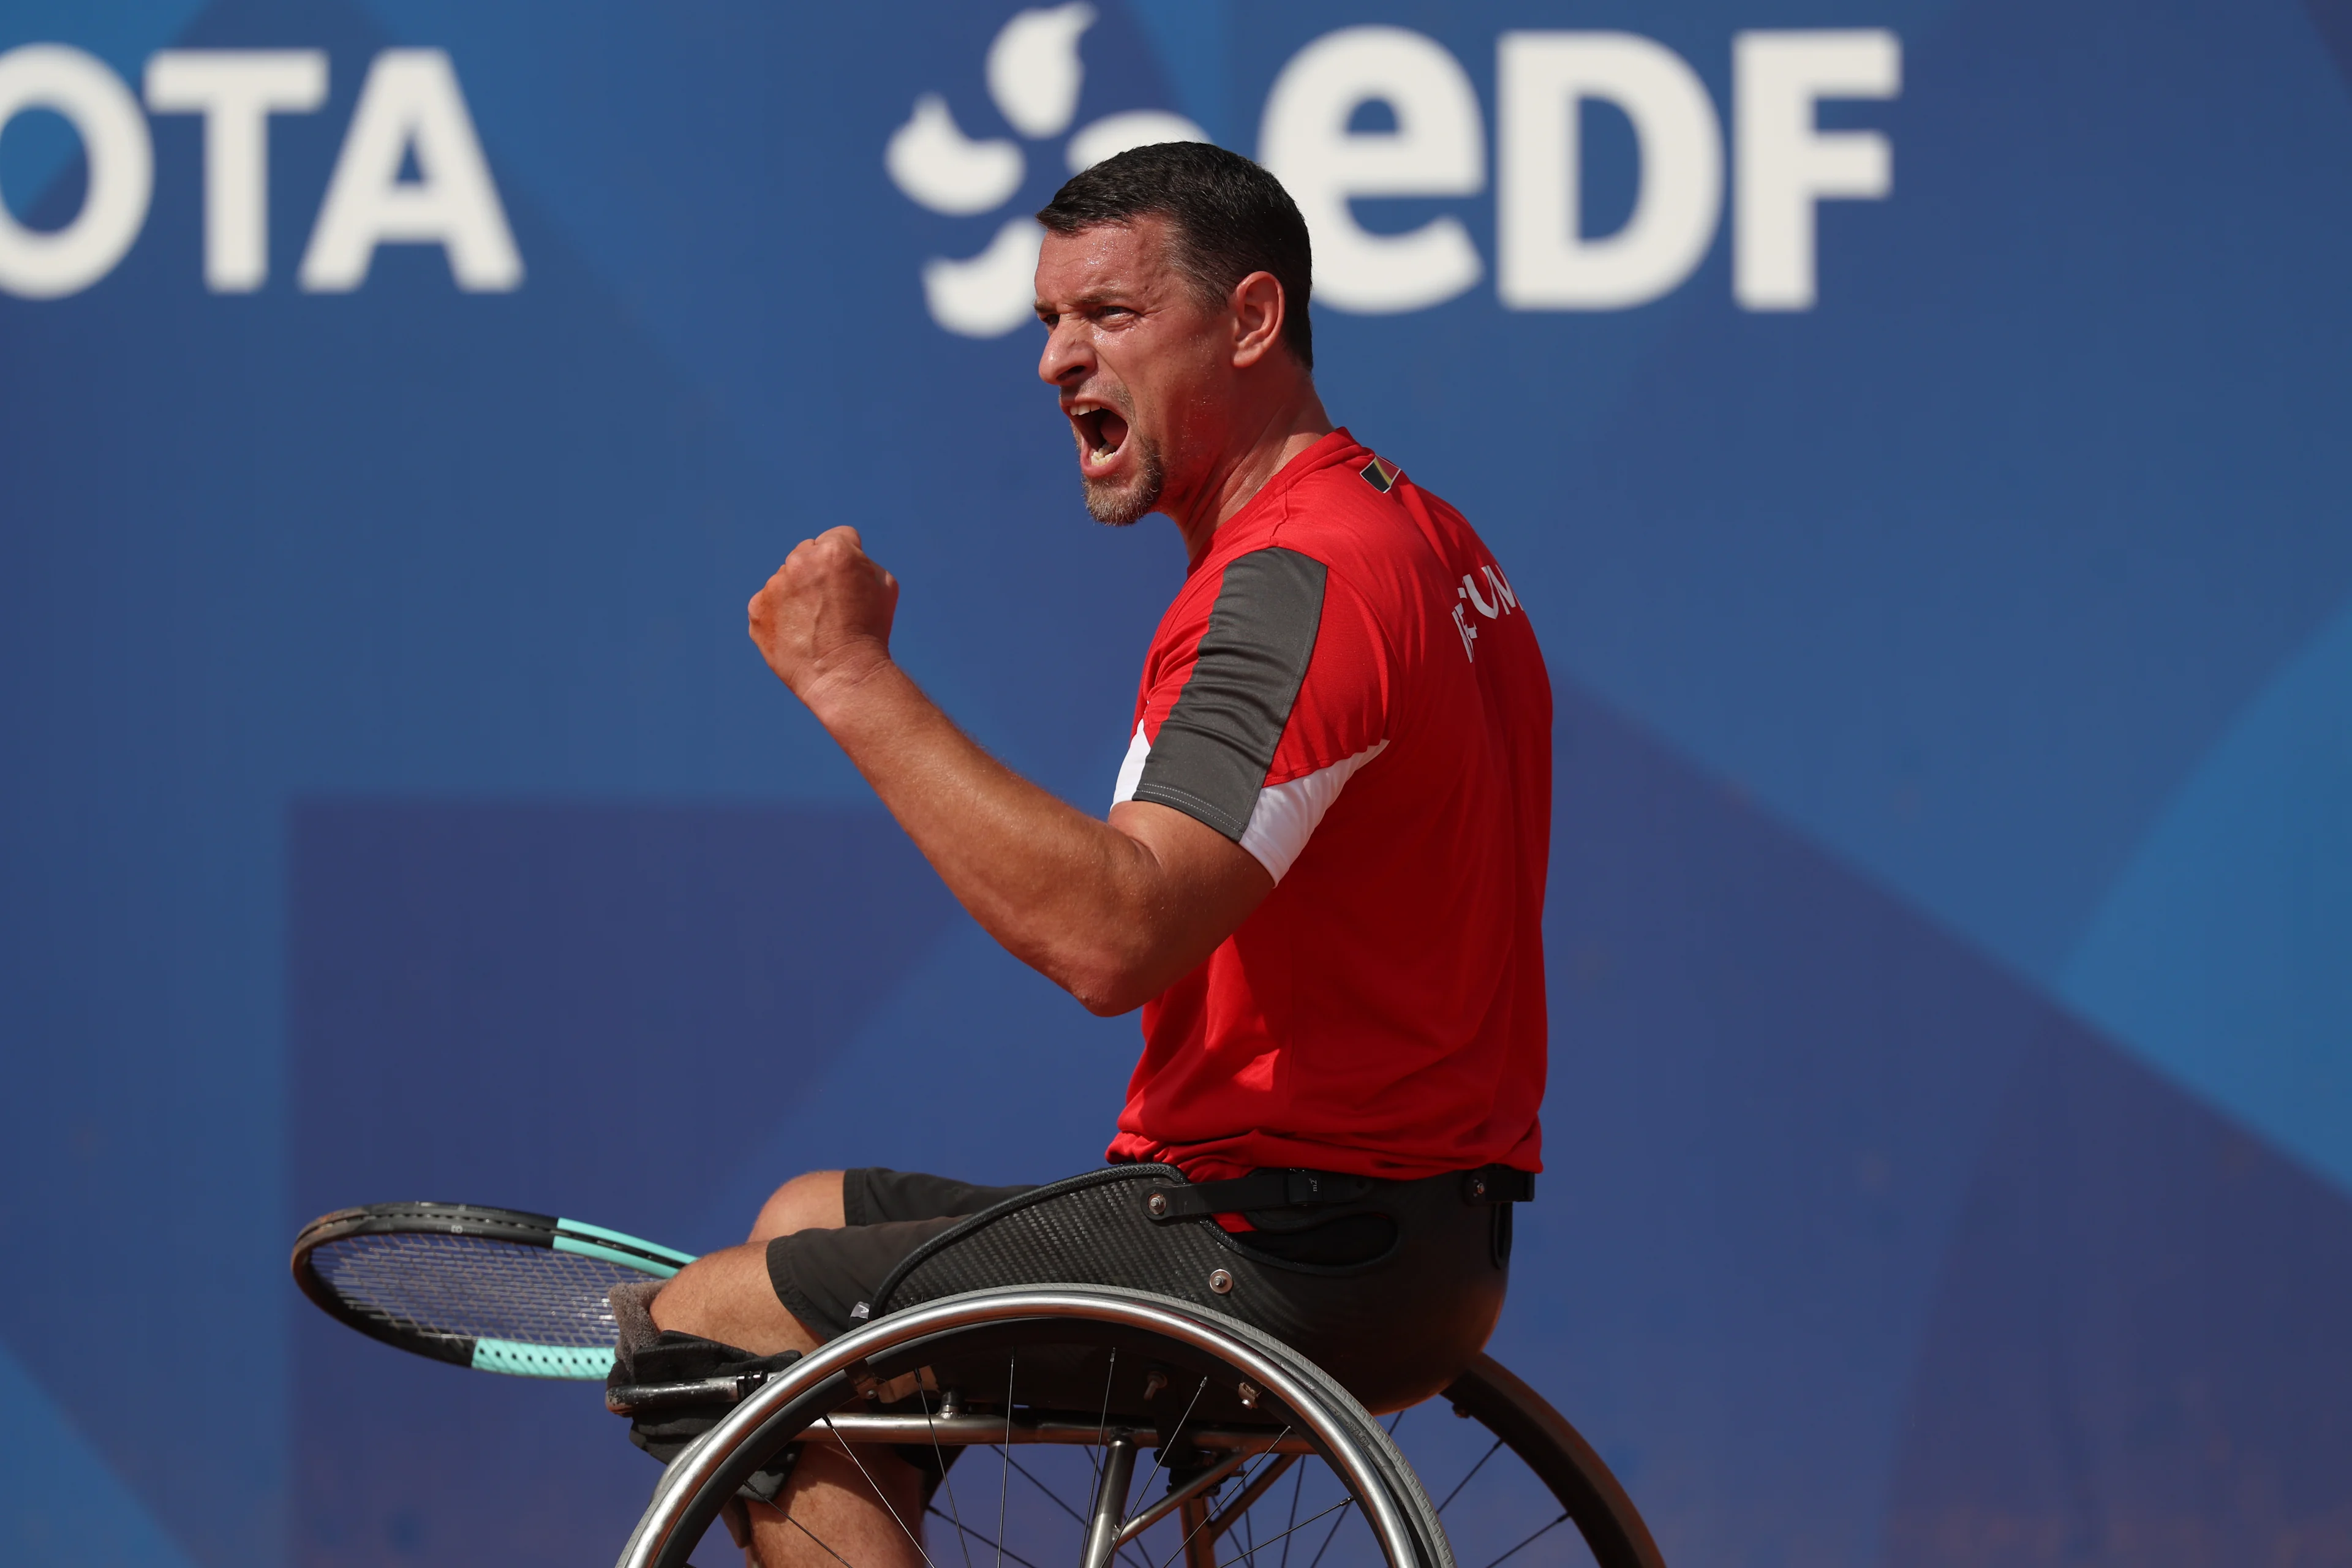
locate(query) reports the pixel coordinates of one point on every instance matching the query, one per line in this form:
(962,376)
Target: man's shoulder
(1367,521)
(1356,486)
(1357,515)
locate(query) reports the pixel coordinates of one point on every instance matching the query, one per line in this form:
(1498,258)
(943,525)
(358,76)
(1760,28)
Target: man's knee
(812,1202)
(727,1296)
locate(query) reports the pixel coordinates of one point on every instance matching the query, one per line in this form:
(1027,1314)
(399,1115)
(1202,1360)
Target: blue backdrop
(1950,1131)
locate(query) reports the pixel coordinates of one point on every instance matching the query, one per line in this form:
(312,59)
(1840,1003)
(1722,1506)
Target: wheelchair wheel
(1515,1485)
(1121,1428)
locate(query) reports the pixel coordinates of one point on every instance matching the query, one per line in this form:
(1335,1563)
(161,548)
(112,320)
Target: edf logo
(1434,145)
(409,111)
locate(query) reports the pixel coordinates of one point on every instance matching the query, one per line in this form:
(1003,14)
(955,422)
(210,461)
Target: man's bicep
(1211,883)
(1214,725)
(1285,698)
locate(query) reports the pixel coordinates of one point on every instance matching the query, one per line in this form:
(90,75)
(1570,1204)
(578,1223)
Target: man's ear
(1257,306)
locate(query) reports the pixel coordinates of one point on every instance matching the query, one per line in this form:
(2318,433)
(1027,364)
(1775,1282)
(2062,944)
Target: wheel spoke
(1531,1541)
(1102,1425)
(1252,1487)
(1473,1470)
(1093,1458)
(947,1479)
(1181,1545)
(1161,1452)
(1302,1524)
(1056,1497)
(1005,1484)
(851,1449)
(812,1535)
(967,1530)
(1342,1506)
(1297,1480)
(1217,1525)
(1051,1494)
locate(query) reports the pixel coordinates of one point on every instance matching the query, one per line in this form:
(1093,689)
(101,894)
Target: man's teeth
(1101,448)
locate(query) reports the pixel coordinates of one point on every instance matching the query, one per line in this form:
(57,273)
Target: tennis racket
(495,1290)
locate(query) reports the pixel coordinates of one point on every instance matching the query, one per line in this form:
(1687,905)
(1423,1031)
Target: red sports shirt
(1348,689)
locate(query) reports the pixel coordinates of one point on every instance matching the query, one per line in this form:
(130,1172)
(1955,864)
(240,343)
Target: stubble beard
(1116,505)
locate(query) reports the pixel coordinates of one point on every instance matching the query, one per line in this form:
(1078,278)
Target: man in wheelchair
(1321,877)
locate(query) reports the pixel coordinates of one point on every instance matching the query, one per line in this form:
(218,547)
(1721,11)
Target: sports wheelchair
(1264,1457)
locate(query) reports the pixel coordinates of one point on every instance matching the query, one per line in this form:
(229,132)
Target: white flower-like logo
(1033,77)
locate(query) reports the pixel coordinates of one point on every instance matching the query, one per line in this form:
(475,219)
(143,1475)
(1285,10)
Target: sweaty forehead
(1124,260)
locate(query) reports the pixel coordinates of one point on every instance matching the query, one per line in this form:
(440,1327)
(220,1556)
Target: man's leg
(805,1202)
(727,1295)
(829,1499)
(846,1504)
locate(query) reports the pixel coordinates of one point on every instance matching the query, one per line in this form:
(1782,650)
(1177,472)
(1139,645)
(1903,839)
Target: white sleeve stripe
(1287,815)
(1131,772)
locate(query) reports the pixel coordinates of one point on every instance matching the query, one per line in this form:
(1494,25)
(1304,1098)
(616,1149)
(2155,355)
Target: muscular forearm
(1114,912)
(1109,915)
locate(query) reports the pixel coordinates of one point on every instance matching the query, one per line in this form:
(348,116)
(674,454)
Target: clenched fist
(825,613)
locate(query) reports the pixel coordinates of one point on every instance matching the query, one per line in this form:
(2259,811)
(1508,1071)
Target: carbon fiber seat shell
(1392,1330)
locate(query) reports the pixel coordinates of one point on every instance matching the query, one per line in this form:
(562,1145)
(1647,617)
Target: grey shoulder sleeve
(1210,757)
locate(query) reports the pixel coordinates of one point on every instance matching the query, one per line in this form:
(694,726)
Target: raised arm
(1114,912)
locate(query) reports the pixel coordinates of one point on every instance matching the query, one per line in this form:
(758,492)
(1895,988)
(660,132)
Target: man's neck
(1287,431)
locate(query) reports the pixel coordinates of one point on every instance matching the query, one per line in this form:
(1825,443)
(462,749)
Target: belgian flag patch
(1378,475)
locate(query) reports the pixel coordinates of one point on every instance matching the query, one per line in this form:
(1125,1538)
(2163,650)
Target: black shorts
(827,1278)
(1391,1292)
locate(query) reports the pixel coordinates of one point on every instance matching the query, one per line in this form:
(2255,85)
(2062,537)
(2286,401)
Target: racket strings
(475,1287)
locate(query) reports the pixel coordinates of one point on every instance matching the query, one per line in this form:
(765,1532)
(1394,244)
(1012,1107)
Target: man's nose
(1065,353)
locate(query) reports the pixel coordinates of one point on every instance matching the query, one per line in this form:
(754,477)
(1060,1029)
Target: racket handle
(636,1399)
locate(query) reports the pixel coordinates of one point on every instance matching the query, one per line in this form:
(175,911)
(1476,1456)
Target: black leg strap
(1279,1189)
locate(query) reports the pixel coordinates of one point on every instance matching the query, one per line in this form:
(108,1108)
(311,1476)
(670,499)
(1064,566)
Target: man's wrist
(831,690)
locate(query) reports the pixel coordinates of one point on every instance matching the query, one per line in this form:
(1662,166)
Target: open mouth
(1101,433)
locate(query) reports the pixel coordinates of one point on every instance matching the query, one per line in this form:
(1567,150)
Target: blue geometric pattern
(59,1502)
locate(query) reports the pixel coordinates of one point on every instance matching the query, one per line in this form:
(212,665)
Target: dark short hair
(1231,218)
